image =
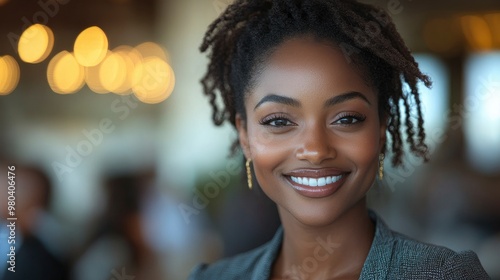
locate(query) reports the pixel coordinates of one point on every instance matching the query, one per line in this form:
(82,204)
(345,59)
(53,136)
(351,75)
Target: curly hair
(247,32)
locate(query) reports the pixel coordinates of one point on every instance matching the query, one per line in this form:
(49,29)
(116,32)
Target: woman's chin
(319,214)
(315,217)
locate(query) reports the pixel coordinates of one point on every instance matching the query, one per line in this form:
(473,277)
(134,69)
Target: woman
(313,87)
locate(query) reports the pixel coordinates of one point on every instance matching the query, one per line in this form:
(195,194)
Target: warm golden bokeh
(151,49)
(113,71)
(132,53)
(36,43)
(493,21)
(64,74)
(477,32)
(143,70)
(91,46)
(9,74)
(93,79)
(153,80)
(131,57)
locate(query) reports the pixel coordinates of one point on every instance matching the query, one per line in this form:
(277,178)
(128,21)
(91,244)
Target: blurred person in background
(38,248)
(118,247)
(140,234)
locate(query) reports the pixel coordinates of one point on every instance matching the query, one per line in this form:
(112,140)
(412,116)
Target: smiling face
(313,131)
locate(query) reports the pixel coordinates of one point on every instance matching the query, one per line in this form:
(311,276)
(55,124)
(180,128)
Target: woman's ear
(241,127)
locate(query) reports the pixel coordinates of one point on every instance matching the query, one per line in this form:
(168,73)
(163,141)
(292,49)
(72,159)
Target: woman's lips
(316,183)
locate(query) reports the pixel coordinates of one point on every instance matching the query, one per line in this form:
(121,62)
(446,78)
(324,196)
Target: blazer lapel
(379,258)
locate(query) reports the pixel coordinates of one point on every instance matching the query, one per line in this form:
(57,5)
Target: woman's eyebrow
(278,99)
(295,103)
(345,97)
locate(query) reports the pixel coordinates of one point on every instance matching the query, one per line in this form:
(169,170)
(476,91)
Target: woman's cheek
(268,153)
(262,140)
(364,153)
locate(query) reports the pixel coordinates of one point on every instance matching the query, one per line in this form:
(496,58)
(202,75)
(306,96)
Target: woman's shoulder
(406,258)
(248,265)
(411,258)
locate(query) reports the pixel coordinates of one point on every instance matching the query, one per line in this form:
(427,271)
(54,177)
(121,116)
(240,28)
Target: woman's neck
(337,250)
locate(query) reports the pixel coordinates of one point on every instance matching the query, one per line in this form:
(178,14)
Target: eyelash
(354,117)
(269,119)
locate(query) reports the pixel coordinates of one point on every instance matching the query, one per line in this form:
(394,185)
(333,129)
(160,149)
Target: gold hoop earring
(381,158)
(249,173)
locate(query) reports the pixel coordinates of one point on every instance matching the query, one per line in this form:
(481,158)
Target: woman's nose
(316,145)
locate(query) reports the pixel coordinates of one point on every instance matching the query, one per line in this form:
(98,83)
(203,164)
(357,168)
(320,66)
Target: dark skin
(312,115)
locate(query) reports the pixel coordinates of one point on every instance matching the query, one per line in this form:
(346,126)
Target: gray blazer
(392,256)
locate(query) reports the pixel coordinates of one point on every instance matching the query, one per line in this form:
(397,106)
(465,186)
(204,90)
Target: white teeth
(316,182)
(313,182)
(321,182)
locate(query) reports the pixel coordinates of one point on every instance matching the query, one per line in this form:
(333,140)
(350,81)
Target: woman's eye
(277,122)
(349,120)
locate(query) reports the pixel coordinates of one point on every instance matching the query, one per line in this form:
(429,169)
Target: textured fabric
(392,256)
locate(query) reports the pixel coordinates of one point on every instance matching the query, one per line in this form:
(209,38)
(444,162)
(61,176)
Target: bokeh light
(36,43)
(9,74)
(493,21)
(477,32)
(93,79)
(132,58)
(143,70)
(151,49)
(113,71)
(64,73)
(153,80)
(91,46)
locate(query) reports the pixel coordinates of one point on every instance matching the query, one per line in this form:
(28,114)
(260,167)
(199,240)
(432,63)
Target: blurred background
(120,172)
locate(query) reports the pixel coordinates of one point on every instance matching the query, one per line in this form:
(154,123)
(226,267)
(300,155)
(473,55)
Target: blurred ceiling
(125,15)
(426,25)
(440,6)
(125,22)
(72,16)
(411,17)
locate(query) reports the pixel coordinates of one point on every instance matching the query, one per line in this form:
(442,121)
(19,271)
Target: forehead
(305,62)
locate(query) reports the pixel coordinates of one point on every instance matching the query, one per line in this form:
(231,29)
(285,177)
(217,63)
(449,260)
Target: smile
(316,182)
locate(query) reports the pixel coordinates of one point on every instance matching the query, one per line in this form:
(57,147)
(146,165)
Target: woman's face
(312,131)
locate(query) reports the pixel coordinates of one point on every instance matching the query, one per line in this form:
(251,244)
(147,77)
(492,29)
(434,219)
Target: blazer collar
(264,265)
(379,257)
